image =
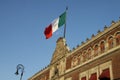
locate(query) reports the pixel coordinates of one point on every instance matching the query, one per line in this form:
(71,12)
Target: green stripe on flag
(62,19)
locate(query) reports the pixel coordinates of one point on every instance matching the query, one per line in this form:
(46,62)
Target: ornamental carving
(60,51)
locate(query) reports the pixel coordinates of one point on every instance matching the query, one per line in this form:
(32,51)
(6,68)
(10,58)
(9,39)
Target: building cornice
(113,26)
(39,73)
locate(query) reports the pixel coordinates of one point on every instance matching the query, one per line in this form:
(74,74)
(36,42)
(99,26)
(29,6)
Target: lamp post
(21,68)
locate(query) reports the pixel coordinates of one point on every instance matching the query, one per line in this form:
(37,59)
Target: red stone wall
(68,62)
(116,65)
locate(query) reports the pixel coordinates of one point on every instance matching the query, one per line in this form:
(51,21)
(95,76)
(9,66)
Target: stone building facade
(96,59)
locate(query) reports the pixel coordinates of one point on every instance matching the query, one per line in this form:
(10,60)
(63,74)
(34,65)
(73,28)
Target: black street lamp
(20,67)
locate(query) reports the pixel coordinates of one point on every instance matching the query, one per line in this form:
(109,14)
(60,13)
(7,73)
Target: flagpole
(65,22)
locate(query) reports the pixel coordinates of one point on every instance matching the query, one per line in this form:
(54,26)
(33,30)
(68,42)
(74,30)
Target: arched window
(110,42)
(74,61)
(84,56)
(96,50)
(89,53)
(117,37)
(79,58)
(102,47)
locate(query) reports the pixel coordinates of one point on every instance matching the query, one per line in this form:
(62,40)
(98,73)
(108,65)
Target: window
(110,42)
(89,53)
(96,50)
(83,78)
(79,59)
(74,61)
(102,47)
(93,76)
(117,37)
(84,56)
(105,75)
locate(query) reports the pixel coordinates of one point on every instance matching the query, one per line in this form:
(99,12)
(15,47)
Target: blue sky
(22,24)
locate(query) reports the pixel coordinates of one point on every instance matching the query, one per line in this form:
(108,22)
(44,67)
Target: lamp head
(16,72)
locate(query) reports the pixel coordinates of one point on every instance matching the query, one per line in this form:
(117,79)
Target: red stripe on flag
(48,31)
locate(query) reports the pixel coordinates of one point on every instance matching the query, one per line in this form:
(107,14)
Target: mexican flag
(55,25)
